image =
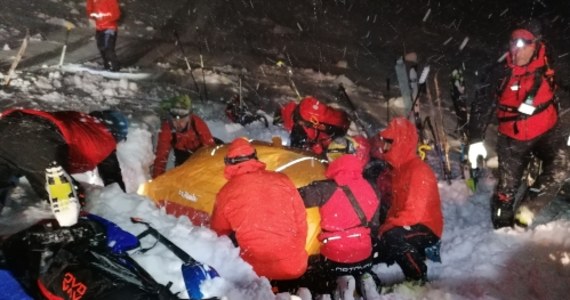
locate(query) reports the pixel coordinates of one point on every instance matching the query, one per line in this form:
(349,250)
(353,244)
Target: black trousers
(106,40)
(322,273)
(514,156)
(407,248)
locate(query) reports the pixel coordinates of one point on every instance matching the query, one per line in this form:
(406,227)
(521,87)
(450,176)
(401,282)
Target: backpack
(318,116)
(75,263)
(351,245)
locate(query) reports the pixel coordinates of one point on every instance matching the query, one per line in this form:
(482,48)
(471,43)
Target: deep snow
(478,262)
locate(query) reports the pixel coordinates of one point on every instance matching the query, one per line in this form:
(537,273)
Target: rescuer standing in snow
(527,112)
(106,14)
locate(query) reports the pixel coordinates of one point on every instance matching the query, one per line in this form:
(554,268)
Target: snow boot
(502,211)
(62,196)
(345,286)
(413,265)
(369,286)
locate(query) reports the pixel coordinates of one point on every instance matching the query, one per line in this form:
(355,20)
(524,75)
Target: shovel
(193,271)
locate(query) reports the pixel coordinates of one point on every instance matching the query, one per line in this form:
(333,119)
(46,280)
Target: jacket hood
(404,137)
(344,168)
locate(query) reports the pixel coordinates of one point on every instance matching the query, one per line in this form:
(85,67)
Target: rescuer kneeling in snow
(264,212)
(414,223)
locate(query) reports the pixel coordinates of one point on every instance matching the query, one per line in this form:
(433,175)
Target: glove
(475,150)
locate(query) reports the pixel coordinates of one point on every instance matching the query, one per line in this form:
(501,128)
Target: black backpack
(75,263)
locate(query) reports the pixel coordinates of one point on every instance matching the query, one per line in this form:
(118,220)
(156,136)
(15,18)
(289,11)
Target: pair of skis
(458,93)
(412,89)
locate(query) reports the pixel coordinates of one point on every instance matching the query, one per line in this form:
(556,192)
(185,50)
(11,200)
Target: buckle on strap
(520,116)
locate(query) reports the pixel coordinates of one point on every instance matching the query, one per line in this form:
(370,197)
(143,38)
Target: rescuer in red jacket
(527,112)
(182,132)
(312,124)
(34,141)
(264,211)
(414,222)
(349,208)
(106,14)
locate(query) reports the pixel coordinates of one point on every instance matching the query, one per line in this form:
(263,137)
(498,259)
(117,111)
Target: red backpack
(350,245)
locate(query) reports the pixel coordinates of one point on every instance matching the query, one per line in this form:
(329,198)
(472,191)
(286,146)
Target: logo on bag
(74,289)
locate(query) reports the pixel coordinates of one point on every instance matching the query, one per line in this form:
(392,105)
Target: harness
(355,205)
(357,209)
(189,126)
(350,245)
(320,127)
(180,156)
(541,73)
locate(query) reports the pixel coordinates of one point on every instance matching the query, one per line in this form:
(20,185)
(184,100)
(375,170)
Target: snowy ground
(327,42)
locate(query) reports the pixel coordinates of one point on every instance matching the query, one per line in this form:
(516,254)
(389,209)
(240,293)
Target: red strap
(46,293)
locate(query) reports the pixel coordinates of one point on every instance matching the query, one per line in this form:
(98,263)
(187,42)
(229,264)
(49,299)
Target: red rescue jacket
(267,215)
(88,140)
(319,121)
(195,136)
(338,216)
(344,237)
(108,10)
(415,194)
(522,82)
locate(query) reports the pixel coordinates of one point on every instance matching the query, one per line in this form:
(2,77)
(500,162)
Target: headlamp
(239,159)
(520,42)
(179,113)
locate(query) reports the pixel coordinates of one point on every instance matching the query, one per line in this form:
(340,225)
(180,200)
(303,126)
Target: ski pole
(177,38)
(64,49)
(388,100)
(203,77)
(16,61)
(357,118)
(442,135)
(421,84)
(290,78)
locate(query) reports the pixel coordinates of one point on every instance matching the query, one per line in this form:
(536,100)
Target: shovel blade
(194,274)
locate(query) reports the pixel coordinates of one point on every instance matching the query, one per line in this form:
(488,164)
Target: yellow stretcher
(190,189)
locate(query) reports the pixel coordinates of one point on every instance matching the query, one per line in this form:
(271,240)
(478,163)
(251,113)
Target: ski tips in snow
(63,199)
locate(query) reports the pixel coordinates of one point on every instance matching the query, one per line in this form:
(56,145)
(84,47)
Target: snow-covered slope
(325,43)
